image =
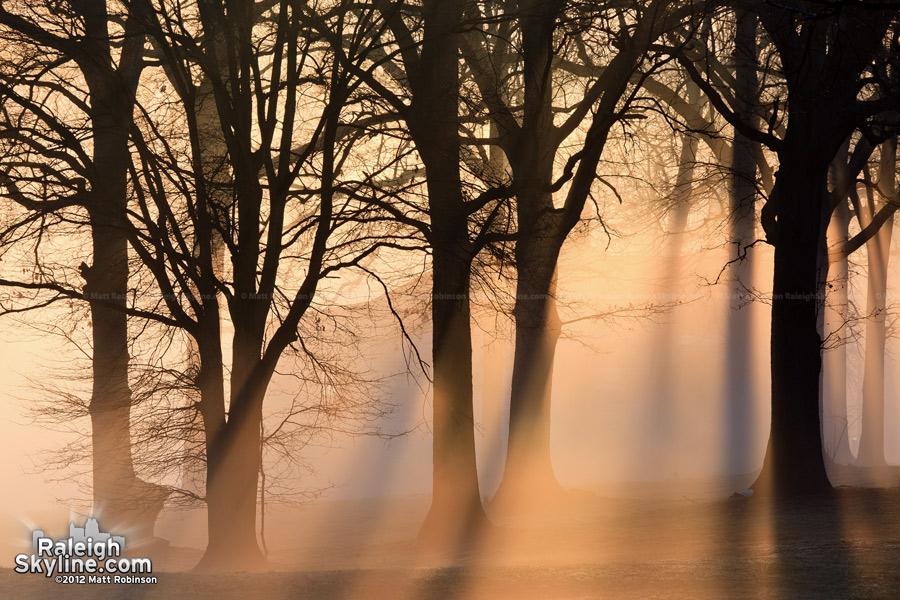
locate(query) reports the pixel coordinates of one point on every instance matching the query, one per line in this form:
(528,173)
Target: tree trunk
(739,381)
(209,249)
(835,425)
(234,457)
(110,406)
(871,439)
(122,502)
(456,514)
(662,408)
(528,474)
(836,315)
(794,463)
(233,462)
(824,60)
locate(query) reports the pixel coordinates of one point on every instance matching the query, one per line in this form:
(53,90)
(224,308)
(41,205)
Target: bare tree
(265,194)
(823,52)
(556,40)
(285,209)
(68,94)
(417,74)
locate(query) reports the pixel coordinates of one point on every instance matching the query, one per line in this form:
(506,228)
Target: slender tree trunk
(835,424)
(739,392)
(661,411)
(871,439)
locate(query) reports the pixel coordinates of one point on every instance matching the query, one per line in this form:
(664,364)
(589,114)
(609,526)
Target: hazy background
(634,399)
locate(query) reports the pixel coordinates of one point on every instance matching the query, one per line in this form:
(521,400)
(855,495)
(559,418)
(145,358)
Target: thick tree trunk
(210,251)
(110,406)
(456,514)
(528,475)
(531,152)
(122,502)
(794,463)
(871,439)
(822,113)
(528,478)
(233,462)
(106,287)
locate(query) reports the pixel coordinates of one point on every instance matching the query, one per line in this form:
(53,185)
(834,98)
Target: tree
(823,53)
(431,70)
(532,142)
(745,156)
(279,103)
(836,323)
(83,42)
(735,70)
(871,439)
(466,213)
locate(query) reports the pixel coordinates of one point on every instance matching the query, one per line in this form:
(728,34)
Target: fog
(449,299)
(637,397)
(639,426)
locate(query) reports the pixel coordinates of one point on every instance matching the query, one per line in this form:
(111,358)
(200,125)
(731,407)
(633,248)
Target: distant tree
(836,321)
(746,159)
(871,439)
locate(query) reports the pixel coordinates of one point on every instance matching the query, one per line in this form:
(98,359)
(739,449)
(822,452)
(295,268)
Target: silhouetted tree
(68,93)
(823,53)
(264,192)
(459,225)
(529,135)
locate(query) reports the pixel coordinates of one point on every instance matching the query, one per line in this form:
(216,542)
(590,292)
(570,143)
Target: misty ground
(653,540)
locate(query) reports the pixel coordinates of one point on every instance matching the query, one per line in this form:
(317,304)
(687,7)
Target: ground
(663,542)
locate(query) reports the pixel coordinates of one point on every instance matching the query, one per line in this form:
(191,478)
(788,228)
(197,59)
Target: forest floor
(652,541)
